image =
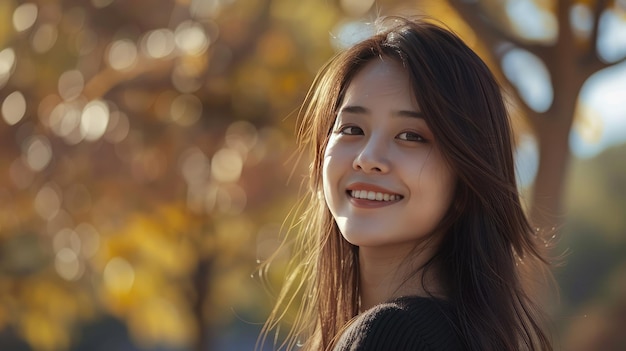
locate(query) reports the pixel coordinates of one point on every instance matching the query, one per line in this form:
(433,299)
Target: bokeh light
(48,201)
(226,165)
(94,120)
(67,264)
(531,78)
(7,65)
(581,18)
(532,21)
(24,16)
(37,152)
(44,38)
(13,108)
(241,136)
(191,38)
(118,275)
(186,110)
(118,127)
(64,120)
(71,84)
(349,33)
(122,54)
(158,43)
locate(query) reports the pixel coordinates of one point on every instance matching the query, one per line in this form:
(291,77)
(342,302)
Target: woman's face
(385,180)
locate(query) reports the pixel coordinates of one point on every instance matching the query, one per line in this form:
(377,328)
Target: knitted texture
(407,323)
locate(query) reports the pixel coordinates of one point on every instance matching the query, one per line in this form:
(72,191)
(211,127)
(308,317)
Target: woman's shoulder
(406,323)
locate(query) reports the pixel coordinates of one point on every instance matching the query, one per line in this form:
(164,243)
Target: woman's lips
(369,195)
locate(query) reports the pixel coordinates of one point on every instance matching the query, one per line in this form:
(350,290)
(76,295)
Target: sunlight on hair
(268,241)
(94,120)
(24,16)
(13,108)
(122,55)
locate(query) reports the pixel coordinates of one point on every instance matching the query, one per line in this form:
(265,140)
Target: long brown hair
(487,236)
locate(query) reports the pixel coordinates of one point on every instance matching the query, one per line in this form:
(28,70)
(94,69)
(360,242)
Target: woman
(414,235)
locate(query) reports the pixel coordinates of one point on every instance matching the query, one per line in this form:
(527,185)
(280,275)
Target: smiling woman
(381,147)
(414,227)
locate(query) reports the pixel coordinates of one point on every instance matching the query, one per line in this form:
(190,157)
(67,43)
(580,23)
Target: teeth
(372,195)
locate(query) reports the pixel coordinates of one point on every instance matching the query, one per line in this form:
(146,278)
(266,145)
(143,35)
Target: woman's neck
(385,274)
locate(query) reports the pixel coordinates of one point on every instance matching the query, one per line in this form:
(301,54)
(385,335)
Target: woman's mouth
(373,195)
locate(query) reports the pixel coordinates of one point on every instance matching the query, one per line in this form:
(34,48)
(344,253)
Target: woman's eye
(411,136)
(351,130)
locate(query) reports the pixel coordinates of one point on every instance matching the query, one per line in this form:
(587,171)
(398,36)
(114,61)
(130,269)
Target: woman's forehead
(380,78)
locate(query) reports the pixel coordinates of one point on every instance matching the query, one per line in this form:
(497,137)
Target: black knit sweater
(404,324)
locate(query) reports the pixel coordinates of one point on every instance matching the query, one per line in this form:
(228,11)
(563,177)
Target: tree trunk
(552,136)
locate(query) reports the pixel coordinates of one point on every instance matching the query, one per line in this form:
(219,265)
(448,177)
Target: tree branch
(473,14)
(590,58)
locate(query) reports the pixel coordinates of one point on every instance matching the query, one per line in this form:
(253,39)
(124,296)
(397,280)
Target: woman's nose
(372,158)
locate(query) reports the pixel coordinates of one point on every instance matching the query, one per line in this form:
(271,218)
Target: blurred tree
(132,137)
(562,41)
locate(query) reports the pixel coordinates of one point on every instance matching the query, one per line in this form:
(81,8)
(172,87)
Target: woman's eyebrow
(363,110)
(354,109)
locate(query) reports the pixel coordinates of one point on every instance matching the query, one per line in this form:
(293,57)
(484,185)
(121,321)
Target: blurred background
(146,158)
